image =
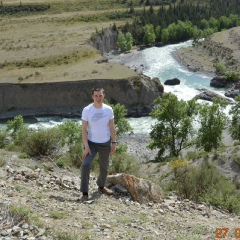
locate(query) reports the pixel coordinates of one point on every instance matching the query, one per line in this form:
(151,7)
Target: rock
(172,82)
(105,42)
(220,82)
(141,190)
(209,95)
(234,92)
(27,173)
(136,93)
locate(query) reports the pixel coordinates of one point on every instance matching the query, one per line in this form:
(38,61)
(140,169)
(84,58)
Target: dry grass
(49,44)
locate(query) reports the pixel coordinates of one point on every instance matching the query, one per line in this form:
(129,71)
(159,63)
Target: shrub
(3,136)
(72,136)
(2,162)
(75,155)
(23,155)
(220,68)
(61,162)
(57,215)
(68,236)
(44,142)
(16,124)
(20,212)
(10,216)
(123,163)
(204,183)
(232,76)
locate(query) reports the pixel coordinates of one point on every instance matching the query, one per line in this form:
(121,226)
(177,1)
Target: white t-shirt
(98,122)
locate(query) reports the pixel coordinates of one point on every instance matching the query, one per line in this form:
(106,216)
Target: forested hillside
(181,20)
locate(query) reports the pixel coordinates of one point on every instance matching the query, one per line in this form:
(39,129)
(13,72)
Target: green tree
(213,23)
(121,123)
(72,132)
(224,23)
(158,32)
(173,130)
(18,130)
(16,124)
(212,121)
(149,35)
(165,36)
(129,40)
(125,42)
(204,24)
(121,41)
(235,122)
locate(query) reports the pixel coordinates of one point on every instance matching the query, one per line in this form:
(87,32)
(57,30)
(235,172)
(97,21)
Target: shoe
(106,191)
(84,198)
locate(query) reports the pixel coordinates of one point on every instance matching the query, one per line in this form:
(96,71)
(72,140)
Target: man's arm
(113,135)
(85,139)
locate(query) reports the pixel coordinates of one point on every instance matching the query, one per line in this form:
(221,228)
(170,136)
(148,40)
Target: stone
(141,190)
(172,82)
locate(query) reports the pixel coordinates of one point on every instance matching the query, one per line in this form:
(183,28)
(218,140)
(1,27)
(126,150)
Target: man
(99,136)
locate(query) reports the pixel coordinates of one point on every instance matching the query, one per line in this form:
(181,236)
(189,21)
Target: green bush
(75,155)
(61,162)
(3,136)
(220,68)
(123,163)
(72,137)
(232,76)
(44,142)
(20,212)
(204,183)
(23,155)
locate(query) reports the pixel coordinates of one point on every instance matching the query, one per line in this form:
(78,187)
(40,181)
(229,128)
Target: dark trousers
(103,150)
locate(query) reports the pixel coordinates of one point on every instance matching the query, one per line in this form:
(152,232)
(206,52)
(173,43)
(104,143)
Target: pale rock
(141,190)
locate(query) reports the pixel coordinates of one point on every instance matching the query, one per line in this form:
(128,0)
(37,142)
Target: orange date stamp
(225,233)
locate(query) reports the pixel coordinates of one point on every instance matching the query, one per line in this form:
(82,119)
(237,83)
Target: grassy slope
(55,44)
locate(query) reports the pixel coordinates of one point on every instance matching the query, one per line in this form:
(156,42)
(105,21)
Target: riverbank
(194,61)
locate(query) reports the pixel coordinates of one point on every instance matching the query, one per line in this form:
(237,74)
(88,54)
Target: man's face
(98,96)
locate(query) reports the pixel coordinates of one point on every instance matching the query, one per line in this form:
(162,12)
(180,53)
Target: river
(158,62)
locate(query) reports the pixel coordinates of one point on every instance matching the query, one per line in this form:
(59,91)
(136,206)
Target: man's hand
(113,149)
(86,152)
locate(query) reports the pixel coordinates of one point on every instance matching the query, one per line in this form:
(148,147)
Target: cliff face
(105,42)
(68,98)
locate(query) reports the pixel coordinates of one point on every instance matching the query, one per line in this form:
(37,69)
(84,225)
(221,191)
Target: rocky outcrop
(141,190)
(172,82)
(234,92)
(68,98)
(220,82)
(209,95)
(106,41)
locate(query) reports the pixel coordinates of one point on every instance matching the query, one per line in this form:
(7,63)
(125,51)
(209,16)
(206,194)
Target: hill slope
(222,47)
(50,194)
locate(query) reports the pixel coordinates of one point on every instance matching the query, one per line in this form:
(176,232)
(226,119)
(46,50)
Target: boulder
(234,92)
(141,190)
(208,95)
(220,82)
(172,82)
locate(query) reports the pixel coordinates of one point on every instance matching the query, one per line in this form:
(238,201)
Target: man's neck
(97,105)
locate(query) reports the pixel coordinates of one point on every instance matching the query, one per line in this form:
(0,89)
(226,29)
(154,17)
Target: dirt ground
(48,36)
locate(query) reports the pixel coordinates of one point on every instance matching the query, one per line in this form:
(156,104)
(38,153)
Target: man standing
(99,136)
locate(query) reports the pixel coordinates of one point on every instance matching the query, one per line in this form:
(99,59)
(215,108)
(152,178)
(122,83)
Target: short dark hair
(97,90)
